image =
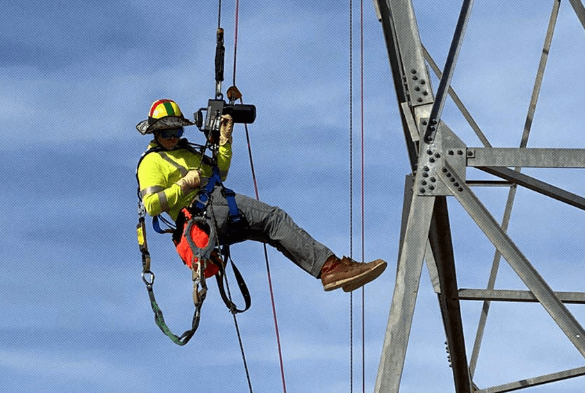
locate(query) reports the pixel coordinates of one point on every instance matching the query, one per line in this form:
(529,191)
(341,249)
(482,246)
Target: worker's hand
(225,129)
(190,181)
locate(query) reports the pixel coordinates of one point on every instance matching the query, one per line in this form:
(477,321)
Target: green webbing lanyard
(148,278)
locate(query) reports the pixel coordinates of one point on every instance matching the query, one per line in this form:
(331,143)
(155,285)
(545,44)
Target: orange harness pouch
(201,239)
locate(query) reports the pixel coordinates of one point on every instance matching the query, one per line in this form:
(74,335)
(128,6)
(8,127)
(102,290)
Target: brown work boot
(348,274)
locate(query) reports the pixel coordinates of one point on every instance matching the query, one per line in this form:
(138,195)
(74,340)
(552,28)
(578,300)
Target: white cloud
(54,370)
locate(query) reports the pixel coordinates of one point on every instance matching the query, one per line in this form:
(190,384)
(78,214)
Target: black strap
(221,277)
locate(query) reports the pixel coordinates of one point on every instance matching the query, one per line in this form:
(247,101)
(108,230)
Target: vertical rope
(238,334)
(219,14)
(237,18)
(268,271)
(237,327)
(362,196)
(362,188)
(351,188)
(253,170)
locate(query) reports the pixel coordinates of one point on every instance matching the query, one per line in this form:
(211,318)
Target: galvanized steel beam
(504,295)
(538,186)
(536,381)
(526,157)
(535,283)
(408,275)
(442,246)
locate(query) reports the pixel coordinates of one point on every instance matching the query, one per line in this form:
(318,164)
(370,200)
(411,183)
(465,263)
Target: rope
(239,336)
(362,188)
(351,188)
(219,14)
(227,285)
(273,303)
(237,17)
(362,185)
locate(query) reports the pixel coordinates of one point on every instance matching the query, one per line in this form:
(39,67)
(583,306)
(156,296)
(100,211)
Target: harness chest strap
(201,201)
(159,190)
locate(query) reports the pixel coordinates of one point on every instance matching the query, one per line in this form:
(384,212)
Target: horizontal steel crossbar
(523,157)
(531,382)
(517,296)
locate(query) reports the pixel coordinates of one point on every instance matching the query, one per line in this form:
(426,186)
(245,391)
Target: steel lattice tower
(440,161)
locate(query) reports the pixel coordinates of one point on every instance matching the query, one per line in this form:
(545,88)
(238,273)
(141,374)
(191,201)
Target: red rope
(362,188)
(258,198)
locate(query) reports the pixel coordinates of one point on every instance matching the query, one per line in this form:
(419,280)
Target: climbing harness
(202,257)
(196,212)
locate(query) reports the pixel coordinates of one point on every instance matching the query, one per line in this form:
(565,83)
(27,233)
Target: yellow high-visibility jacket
(159,171)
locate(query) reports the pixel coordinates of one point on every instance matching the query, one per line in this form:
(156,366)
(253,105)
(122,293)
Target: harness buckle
(141,209)
(200,202)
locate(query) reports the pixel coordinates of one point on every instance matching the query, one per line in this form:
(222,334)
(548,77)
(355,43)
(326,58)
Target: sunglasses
(172,132)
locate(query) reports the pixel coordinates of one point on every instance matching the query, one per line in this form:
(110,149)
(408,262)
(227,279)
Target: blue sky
(76,77)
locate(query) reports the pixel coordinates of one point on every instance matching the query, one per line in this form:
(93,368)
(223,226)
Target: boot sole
(353,283)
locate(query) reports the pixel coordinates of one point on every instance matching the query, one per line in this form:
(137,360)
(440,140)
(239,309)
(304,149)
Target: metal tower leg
(405,292)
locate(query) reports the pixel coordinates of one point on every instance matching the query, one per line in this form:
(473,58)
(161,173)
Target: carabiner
(150,279)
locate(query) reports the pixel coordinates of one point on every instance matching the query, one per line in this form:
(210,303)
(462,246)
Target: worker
(170,178)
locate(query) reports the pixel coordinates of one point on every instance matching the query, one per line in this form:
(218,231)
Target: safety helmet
(163,114)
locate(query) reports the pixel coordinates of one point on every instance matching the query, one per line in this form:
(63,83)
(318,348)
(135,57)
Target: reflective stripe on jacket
(159,171)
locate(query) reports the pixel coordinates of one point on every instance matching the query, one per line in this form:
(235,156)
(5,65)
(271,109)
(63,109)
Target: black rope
(219,15)
(351,187)
(226,281)
(240,342)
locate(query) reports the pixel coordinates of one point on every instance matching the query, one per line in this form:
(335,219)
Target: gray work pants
(271,225)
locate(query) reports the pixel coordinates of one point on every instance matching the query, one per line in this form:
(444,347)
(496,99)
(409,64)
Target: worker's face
(169,138)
